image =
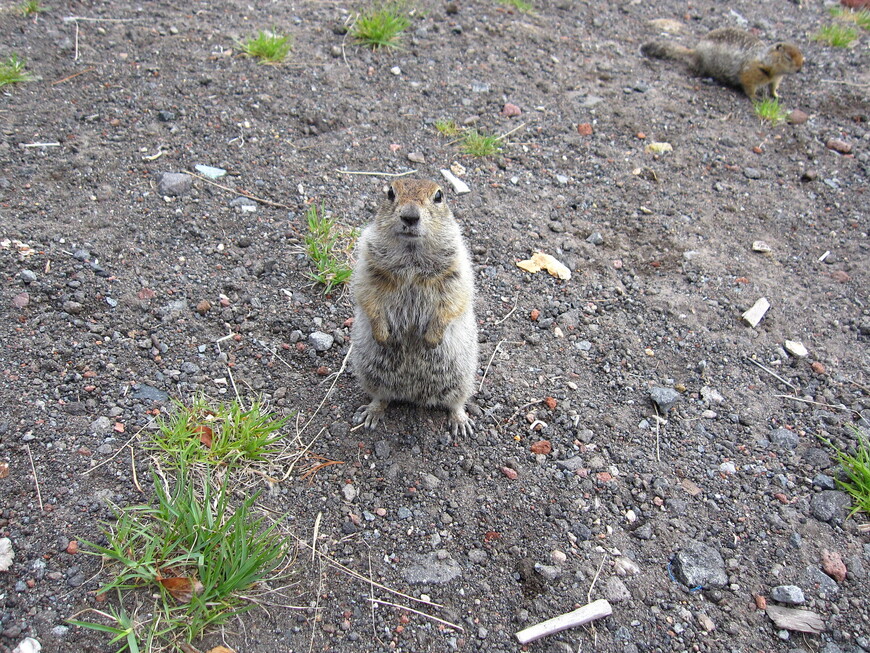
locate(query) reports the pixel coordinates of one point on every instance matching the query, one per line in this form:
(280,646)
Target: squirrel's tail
(667,50)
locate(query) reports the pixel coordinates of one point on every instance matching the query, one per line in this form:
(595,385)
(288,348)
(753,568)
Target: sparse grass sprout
(860,17)
(521,6)
(12,71)
(381,25)
(328,246)
(269,47)
(478,144)
(837,35)
(770,110)
(448,128)
(857,469)
(30,8)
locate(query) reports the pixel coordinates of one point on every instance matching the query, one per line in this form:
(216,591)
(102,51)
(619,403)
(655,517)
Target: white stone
(796,348)
(626,566)
(753,316)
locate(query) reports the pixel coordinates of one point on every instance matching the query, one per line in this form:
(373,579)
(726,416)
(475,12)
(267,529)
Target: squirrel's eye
(438,197)
(391,194)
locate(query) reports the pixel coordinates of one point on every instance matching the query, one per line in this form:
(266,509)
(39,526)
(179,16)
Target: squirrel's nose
(410,215)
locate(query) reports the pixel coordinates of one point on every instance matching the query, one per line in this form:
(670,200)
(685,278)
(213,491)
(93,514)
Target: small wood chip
(753,316)
(803,621)
(761,247)
(459,186)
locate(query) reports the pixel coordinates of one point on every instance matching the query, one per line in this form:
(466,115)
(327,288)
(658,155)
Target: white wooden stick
(590,612)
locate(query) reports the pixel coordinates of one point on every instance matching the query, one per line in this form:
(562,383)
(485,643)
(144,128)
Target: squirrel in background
(734,57)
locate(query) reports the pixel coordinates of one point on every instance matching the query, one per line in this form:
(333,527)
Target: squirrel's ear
(438,197)
(391,194)
(779,46)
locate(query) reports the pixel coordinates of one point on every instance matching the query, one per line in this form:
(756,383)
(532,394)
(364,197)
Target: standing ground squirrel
(734,57)
(414,333)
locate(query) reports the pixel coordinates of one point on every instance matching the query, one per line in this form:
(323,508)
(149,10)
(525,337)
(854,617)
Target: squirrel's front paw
(432,338)
(380,332)
(371,414)
(460,423)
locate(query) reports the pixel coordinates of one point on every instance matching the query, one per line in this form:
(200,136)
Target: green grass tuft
(218,433)
(12,71)
(839,36)
(477,144)
(860,18)
(268,47)
(771,110)
(194,551)
(857,469)
(448,128)
(328,246)
(30,8)
(381,25)
(521,6)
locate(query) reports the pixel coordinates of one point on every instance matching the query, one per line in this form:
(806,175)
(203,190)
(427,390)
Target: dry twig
(35,478)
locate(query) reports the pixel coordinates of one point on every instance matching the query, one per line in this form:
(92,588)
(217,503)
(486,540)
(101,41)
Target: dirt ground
(103,275)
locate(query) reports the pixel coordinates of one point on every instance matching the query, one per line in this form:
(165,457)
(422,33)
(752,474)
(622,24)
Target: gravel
(688,456)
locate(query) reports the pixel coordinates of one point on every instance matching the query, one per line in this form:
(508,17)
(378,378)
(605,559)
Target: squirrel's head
(413,210)
(789,54)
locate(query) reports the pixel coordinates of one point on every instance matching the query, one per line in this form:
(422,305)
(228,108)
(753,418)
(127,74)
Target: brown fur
(414,335)
(736,58)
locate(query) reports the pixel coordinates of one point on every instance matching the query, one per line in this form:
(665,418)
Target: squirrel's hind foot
(460,423)
(371,414)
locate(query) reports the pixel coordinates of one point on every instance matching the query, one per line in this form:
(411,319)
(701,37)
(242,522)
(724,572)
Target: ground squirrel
(734,57)
(414,333)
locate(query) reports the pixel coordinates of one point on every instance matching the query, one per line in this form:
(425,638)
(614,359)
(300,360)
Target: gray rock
(571,464)
(244,204)
(698,565)
(789,594)
(664,398)
(752,173)
(549,572)
(432,568)
(76,579)
(321,341)
(817,458)
(382,449)
(478,556)
(615,590)
(823,585)
(101,425)
(582,532)
(784,439)
(829,505)
(349,492)
(148,393)
(430,481)
(595,238)
(824,481)
(73,308)
(404,513)
(174,184)
(27,276)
